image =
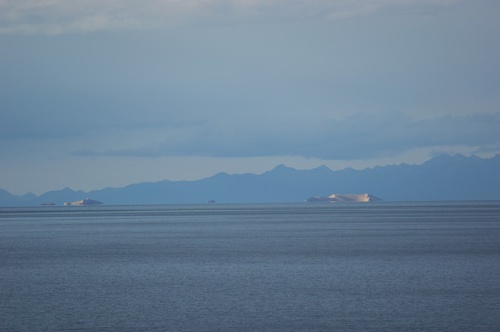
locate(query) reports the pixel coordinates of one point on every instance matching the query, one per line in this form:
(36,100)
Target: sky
(106,93)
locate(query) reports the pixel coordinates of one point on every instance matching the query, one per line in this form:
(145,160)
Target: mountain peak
(445,158)
(281,168)
(322,169)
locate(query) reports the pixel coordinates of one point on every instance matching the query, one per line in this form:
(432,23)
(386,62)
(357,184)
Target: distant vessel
(83,202)
(358,198)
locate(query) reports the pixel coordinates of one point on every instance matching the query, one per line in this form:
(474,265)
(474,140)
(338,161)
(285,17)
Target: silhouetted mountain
(441,178)
(60,196)
(8,199)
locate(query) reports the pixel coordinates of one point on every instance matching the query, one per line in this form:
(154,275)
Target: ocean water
(290,267)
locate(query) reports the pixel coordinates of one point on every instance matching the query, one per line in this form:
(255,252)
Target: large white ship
(83,202)
(360,198)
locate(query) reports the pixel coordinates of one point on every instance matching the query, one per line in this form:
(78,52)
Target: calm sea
(293,267)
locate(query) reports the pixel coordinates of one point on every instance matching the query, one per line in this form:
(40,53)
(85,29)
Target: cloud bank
(355,137)
(54,17)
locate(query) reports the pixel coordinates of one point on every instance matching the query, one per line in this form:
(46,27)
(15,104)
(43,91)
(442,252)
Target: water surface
(290,267)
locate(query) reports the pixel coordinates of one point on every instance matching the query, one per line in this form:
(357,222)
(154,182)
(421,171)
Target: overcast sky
(111,92)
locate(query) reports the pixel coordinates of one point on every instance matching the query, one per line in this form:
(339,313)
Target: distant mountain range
(441,178)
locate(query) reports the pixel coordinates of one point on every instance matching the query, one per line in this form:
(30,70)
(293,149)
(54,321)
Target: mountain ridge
(443,177)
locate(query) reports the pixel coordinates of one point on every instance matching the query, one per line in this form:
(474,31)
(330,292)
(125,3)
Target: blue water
(295,267)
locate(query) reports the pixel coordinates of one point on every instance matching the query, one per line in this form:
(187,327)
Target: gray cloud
(82,85)
(56,17)
(355,137)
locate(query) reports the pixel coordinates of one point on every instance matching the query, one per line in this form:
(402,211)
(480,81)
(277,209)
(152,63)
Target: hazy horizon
(255,173)
(101,94)
(213,174)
